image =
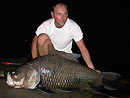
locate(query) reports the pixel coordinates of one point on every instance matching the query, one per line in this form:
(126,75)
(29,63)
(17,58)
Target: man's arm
(85,53)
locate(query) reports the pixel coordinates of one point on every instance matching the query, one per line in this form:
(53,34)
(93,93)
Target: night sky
(104,24)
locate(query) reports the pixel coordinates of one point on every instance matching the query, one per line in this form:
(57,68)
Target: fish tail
(109,80)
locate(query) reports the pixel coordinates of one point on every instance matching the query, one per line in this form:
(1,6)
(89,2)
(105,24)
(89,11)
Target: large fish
(59,71)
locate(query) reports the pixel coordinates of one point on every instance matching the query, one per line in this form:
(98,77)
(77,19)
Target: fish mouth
(9,80)
(12,83)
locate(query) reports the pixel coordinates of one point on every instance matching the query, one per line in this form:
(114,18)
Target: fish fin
(111,76)
(109,80)
(44,90)
(71,56)
(68,89)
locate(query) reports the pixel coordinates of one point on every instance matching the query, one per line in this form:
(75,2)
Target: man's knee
(43,38)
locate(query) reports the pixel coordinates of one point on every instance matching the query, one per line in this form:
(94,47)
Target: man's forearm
(87,59)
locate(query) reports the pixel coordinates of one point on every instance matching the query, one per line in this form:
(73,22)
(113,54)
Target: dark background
(104,24)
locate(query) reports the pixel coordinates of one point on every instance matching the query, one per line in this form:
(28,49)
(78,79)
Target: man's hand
(92,67)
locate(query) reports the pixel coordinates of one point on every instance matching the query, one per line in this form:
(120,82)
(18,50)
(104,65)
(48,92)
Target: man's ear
(52,14)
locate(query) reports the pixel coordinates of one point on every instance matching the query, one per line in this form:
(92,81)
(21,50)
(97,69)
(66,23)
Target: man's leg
(41,45)
(44,44)
(34,47)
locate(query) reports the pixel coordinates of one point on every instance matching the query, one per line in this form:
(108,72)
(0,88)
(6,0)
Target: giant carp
(59,71)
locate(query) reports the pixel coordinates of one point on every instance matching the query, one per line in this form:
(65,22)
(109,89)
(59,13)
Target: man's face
(60,15)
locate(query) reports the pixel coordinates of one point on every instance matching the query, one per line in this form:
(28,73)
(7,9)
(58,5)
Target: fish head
(25,77)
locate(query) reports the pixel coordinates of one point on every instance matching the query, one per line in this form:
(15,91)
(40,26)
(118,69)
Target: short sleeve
(41,29)
(76,31)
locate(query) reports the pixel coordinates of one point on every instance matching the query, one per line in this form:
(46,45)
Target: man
(59,31)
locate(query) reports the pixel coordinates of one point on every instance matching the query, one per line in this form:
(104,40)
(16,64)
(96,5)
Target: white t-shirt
(61,38)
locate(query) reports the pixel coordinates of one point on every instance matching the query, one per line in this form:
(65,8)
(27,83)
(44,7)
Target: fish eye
(12,73)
